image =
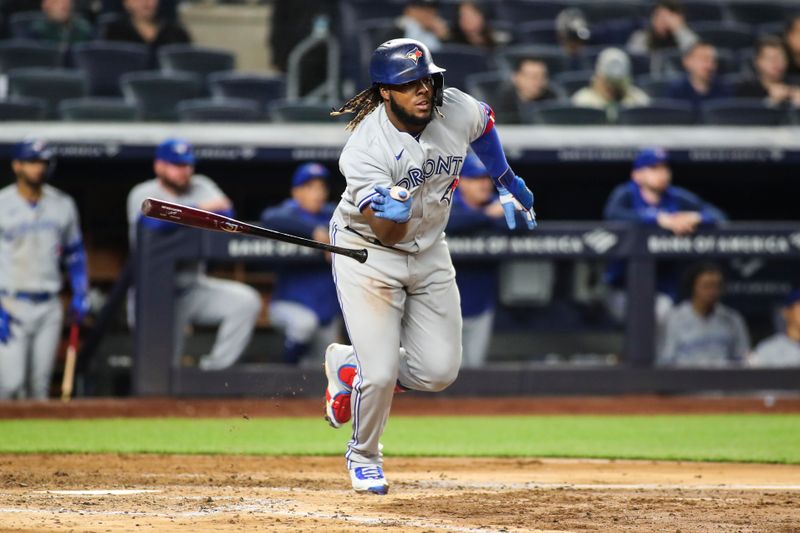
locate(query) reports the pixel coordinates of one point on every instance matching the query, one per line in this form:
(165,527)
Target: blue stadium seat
(743,112)
(461,61)
(613,10)
(97,109)
(258,87)
(193,59)
(541,32)
(17,53)
(563,114)
(284,111)
(771,28)
(20,23)
(759,11)
(516,11)
(483,86)
(103,62)
(655,87)
(219,110)
(22,109)
(726,35)
(703,11)
(661,112)
(50,85)
(156,94)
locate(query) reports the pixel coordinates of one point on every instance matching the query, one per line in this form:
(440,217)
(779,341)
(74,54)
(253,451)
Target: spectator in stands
(61,25)
(421,21)
(649,199)
(791,41)
(199,299)
(304,302)
(666,30)
(700,83)
(476,209)
(611,85)
(782,349)
(573,33)
(472,27)
(530,83)
(142,25)
(701,331)
(770,84)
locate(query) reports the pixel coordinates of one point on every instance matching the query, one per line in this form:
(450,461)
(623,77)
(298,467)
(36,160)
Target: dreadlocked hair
(361,104)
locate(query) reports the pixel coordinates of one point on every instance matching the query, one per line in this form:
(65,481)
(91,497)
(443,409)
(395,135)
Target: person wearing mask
(611,86)
(782,349)
(304,303)
(701,332)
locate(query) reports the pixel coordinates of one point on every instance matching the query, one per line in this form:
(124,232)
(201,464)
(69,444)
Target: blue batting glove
(5,325)
(387,207)
(518,198)
(79,306)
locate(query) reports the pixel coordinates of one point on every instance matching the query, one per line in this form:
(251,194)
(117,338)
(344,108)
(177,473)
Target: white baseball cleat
(369,478)
(340,369)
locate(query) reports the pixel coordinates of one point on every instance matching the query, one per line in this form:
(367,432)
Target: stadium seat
(104,20)
(655,87)
(516,11)
(613,10)
(20,23)
(219,110)
(483,86)
(283,111)
(541,32)
(461,61)
(563,114)
(258,87)
(552,56)
(703,11)
(658,113)
(759,11)
(742,112)
(725,35)
(156,94)
(98,109)
(25,109)
(51,85)
(103,62)
(574,80)
(193,59)
(771,28)
(22,54)
(735,81)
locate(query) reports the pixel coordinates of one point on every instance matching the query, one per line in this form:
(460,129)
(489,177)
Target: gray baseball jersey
(718,340)
(202,300)
(776,351)
(405,295)
(32,238)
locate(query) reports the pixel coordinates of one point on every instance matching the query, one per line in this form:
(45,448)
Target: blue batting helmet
(402,61)
(32,150)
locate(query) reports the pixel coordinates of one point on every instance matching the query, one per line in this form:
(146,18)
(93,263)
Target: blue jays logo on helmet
(401,61)
(414,55)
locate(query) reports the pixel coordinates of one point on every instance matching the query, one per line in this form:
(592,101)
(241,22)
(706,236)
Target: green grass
(750,438)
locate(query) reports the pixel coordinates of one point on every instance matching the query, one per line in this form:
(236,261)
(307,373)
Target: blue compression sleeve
(489,150)
(75,260)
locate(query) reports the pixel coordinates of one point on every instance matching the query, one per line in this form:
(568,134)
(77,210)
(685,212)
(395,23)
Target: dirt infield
(246,493)
(222,493)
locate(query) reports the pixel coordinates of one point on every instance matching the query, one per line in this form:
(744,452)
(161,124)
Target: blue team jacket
(309,285)
(626,204)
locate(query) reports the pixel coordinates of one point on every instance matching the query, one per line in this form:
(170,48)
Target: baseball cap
(792,298)
(308,172)
(175,151)
(613,64)
(473,168)
(32,150)
(650,157)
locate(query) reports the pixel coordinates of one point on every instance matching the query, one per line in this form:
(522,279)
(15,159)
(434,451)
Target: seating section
(103,63)
(21,108)
(22,54)
(219,110)
(50,85)
(157,94)
(98,109)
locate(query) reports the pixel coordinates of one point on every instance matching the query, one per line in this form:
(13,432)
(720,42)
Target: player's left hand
(518,197)
(79,306)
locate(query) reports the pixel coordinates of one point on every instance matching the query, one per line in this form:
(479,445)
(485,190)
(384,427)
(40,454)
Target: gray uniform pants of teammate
(232,305)
(396,299)
(301,325)
(475,337)
(31,351)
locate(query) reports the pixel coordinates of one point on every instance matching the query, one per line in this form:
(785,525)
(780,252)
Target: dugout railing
(156,371)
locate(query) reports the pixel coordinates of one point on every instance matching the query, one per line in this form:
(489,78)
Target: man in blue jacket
(304,303)
(650,199)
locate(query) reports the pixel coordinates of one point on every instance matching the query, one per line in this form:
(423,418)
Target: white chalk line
(452,484)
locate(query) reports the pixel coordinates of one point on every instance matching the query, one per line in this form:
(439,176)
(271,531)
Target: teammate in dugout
(401,307)
(39,232)
(200,299)
(304,301)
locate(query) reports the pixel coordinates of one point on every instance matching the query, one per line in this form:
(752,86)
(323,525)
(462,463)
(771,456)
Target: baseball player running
(39,231)
(401,307)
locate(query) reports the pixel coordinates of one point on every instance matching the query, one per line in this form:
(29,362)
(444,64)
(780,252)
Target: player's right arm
(387,231)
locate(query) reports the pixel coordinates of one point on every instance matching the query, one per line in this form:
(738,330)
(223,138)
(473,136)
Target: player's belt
(35,297)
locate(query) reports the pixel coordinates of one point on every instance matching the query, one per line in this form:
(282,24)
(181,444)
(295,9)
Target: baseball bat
(198,218)
(69,366)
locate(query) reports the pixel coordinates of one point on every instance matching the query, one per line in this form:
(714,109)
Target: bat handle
(360,255)
(69,366)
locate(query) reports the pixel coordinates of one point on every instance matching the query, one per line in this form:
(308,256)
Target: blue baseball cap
(32,150)
(473,168)
(175,151)
(650,157)
(792,298)
(308,172)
